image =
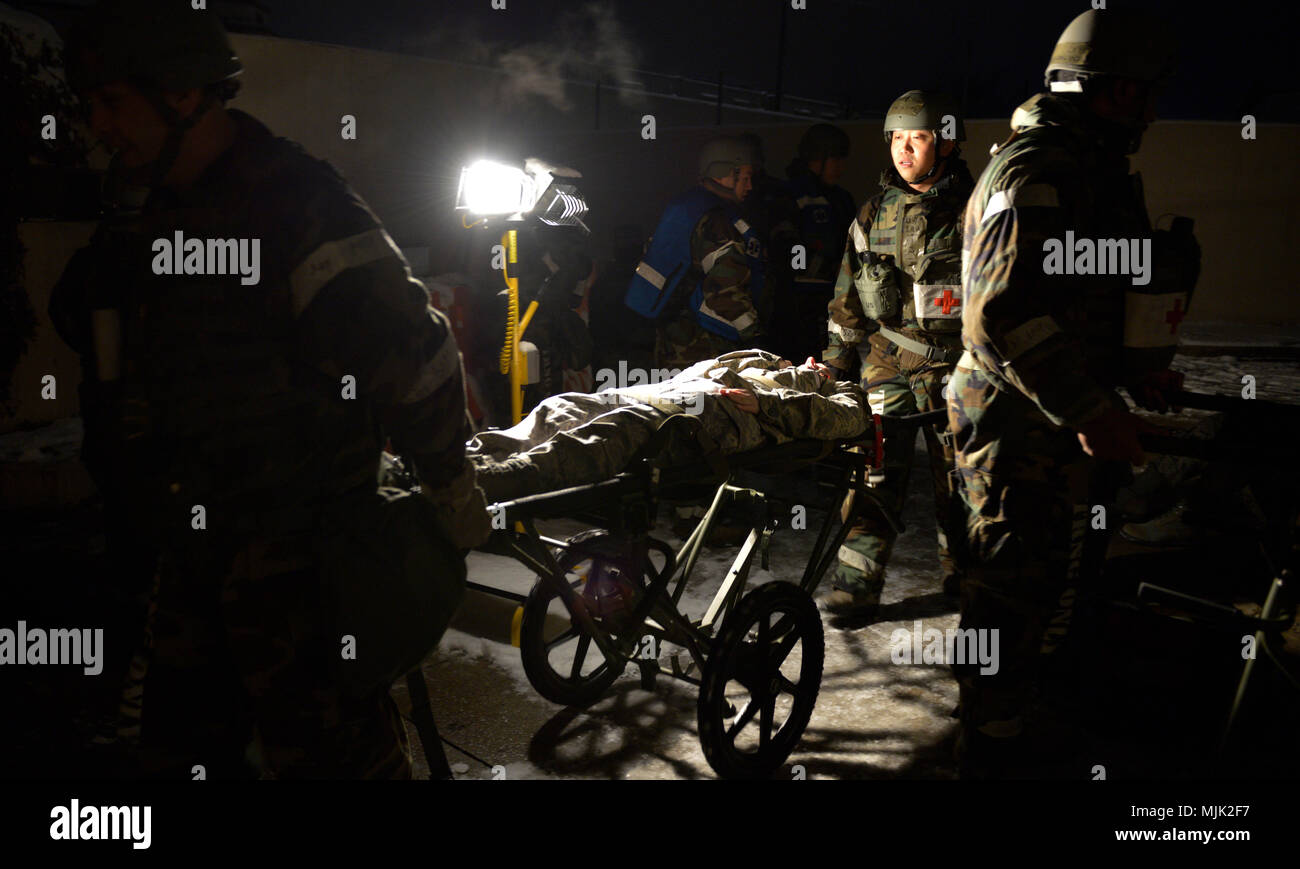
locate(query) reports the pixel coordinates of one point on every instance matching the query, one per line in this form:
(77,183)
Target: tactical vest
(910,277)
(668,272)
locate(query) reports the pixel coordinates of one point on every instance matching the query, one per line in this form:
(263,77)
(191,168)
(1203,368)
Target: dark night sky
(990,53)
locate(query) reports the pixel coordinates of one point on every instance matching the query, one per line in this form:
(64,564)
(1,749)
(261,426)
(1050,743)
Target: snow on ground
(1275,380)
(873,719)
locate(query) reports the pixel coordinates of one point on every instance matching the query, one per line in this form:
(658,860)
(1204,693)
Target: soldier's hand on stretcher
(742,398)
(812,365)
(824,370)
(1151,391)
(1113,436)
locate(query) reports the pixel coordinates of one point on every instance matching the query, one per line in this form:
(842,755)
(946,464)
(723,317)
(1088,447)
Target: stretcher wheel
(561,660)
(761,681)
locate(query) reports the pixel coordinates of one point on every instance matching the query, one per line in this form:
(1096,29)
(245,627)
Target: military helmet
(919,110)
(1110,42)
(168,45)
(722,156)
(755,143)
(823,140)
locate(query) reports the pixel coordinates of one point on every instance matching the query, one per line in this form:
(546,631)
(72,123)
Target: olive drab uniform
(725,309)
(247,414)
(897,313)
(1044,353)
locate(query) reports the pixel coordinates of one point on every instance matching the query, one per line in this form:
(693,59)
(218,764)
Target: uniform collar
(956,180)
(718,190)
(250,136)
(1068,112)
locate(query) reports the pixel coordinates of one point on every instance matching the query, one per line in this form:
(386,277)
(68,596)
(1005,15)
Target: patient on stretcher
(743,400)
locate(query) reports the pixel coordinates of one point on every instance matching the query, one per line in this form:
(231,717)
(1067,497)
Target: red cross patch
(947,302)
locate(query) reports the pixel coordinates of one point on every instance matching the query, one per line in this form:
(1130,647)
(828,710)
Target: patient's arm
(843,413)
(742,398)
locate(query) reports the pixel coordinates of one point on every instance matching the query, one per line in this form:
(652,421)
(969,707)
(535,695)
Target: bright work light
(489,189)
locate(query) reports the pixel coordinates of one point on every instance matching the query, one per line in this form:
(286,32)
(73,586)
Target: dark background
(1235,58)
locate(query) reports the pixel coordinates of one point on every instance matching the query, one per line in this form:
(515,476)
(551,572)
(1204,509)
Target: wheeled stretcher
(1255,436)
(610,597)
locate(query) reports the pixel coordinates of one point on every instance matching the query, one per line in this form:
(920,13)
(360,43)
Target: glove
(1113,436)
(1152,391)
(462,513)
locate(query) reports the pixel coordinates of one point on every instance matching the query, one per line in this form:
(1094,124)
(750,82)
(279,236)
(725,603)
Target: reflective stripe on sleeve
(1028,335)
(436,371)
(740,324)
(708,262)
(859,238)
(332,259)
(650,274)
(1029,196)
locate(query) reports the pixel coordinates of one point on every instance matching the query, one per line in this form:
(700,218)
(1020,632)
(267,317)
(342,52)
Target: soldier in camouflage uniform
(820,220)
(242,413)
(774,216)
(1041,434)
(897,314)
(724,261)
(743,400)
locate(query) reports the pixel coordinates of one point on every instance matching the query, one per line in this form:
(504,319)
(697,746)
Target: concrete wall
(49,246)
(419,120)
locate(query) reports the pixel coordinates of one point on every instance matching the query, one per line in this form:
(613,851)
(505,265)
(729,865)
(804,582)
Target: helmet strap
(176,129)
(939,160)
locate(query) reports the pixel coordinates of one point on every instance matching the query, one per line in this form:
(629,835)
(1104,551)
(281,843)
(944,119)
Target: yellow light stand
(512,357)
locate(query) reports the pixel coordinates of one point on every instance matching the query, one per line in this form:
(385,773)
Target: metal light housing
(490,189)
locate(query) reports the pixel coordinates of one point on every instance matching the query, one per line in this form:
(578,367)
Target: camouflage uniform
(920,235)
(717,253)
(774,215)
(1044,354)
(820,222)
(233,397)
(573,439)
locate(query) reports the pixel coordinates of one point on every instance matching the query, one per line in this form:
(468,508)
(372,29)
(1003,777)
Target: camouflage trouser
(681,342)
(239,674)
(1032,546)
(898,382)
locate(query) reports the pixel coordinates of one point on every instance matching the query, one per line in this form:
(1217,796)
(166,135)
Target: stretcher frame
(736,639)
(1243,441)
